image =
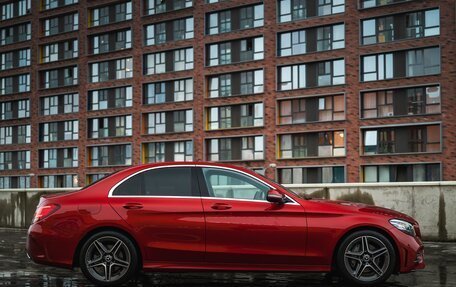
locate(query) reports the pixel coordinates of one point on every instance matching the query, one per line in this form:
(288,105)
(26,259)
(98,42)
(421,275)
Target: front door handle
(133,205)
(221,206)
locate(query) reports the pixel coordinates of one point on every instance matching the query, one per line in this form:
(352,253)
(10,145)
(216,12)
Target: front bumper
(411,251)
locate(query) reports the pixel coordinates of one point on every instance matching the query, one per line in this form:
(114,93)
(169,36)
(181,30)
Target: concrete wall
(432,204)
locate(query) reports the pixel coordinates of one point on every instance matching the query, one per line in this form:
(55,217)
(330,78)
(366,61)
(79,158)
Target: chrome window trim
(293,202)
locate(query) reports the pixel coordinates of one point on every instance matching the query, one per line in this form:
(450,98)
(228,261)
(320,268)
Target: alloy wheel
(366,258)
(107,259)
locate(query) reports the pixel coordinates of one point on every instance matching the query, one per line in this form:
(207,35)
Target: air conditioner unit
(390,114)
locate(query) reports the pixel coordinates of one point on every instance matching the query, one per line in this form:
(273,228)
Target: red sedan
(205,216)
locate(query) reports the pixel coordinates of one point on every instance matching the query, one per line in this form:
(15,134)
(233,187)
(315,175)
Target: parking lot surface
(17,270)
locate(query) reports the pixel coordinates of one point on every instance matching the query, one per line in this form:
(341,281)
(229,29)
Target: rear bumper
(45,247)
(411,252)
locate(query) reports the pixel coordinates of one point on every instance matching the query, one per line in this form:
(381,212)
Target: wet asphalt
(17,270)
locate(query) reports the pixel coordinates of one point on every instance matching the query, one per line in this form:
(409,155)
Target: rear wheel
(366,258)
(108,258)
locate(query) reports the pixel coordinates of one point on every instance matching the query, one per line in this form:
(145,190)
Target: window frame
(194,189)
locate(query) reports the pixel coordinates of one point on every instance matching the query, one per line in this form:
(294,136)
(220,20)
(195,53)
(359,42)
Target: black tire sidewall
(340,257)
(133,253)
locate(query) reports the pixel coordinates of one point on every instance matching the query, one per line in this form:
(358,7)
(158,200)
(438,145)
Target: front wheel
(366,258)
(108,258)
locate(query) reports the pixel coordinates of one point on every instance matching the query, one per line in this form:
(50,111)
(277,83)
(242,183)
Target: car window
(173,181)
(230,184)
(132,186)
(176,181)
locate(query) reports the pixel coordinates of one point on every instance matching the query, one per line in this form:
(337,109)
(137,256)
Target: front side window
(230,184)
(159,182)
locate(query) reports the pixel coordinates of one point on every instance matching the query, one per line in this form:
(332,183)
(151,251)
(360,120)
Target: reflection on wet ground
(17,270)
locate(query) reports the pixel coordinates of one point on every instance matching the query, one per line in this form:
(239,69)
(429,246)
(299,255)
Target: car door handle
(133,206)
(221,206)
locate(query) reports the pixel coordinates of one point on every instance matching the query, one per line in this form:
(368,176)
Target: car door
(163,206)
(242,227)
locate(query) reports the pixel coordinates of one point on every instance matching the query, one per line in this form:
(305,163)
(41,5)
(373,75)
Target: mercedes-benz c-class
(213,217)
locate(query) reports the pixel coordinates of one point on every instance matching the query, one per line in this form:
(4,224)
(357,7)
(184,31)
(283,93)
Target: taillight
(44,211)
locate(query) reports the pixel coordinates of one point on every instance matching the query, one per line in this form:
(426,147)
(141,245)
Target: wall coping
(312,185)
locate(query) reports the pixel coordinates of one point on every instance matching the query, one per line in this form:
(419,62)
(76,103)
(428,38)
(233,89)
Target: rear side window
(173,181)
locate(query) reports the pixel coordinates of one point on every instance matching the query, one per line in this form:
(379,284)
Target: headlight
(403,226)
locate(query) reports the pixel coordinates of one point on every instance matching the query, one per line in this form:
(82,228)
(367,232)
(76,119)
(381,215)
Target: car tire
(108,258)
(366,258)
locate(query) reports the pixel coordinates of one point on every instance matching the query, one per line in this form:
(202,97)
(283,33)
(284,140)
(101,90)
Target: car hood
(366,208)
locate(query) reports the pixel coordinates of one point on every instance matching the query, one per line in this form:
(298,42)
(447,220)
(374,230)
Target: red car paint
(203,233)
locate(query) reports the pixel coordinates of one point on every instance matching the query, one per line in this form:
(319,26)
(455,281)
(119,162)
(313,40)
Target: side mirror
(275,197)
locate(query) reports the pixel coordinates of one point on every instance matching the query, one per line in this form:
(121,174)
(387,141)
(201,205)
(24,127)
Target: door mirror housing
(276,197)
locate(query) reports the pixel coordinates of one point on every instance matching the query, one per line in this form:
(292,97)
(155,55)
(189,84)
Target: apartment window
(61,104)
(59,51)
(15,34)
(312,109)
(93,177)
(61,24)
(401,26)
(375,3)
(235,19)
(14,182)
(401,102)
(23,109)
(418,62)
(15,109)
(15,135)
(15,84)
(401,172)
(111,14)
(111,70)
(246,50)
(110,127)
(6,135)
(23,134)
(157,63)
(59,158)
(52,4)
(172,121)
(292,43)
(312,174)
(240,83)
(57,131)
(168,151)
(320,74)
(15,9)
(183,29)
(15,59)
(239,148)
(247,115)
(331,37)
(292,10)
(58,181)
(158,6)
(110,98)
(14,160)
(113,41)
(423,23)
(409,139)
(110,155)
(59,77)
(320,144)
(169,91)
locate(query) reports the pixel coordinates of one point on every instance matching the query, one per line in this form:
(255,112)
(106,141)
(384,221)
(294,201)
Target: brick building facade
(304,90)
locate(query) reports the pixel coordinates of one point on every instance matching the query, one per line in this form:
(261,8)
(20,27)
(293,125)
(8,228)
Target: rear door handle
(221,206)
(133,205)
